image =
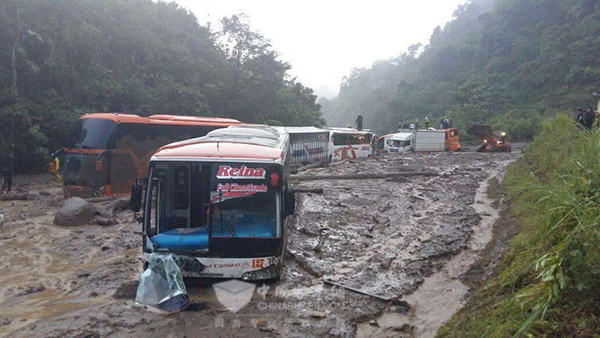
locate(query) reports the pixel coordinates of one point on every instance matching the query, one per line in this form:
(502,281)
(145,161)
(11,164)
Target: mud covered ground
(401,242)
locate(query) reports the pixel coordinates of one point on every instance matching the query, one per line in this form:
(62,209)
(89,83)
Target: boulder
(75,211)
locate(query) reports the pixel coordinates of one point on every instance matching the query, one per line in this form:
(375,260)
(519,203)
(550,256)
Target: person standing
(359,122)
(7,173)
(416,123)
(426,123)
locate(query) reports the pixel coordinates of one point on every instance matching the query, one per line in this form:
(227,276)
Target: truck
(218,204)
(493,141)
(418,140)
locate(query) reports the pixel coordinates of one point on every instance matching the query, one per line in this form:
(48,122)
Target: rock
(4,321)
(105,221)
(386,263)
(373,322)
(318,315)
(75,211)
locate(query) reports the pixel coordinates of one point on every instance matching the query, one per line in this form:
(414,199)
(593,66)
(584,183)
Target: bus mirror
(135,204)
(290,202)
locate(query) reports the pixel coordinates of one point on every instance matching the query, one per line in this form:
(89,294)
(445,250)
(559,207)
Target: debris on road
(161,285)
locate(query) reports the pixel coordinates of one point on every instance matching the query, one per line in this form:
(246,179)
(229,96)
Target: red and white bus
(108,152)
(219,203)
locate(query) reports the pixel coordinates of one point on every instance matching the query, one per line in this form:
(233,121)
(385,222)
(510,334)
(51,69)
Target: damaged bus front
(219,204)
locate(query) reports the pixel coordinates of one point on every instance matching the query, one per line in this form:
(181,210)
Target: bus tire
(480,148)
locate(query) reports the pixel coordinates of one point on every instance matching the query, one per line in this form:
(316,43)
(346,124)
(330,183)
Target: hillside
(507,62)
(60,59)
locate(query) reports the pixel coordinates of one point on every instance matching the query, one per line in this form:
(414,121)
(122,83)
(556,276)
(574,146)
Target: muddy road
(368,256)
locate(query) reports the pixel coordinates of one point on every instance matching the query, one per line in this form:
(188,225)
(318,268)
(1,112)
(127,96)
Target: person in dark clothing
(444,123)
(359,122)
(400,125)
(7,173)
(590,117)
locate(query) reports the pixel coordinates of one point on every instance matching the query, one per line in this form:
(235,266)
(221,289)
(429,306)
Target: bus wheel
(480,148)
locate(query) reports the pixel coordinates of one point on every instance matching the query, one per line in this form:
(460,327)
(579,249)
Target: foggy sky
(323,40)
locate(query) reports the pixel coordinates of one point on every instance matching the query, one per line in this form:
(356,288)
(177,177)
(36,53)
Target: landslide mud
(386,238)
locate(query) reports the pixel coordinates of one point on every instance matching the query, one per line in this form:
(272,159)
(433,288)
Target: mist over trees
(60,59)
(505,62)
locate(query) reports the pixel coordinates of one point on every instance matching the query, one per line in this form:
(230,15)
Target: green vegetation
(549,279)
(60,59)
(511,63)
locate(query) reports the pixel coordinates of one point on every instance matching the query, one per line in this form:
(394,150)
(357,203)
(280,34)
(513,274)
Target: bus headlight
(502,134)
(266,273)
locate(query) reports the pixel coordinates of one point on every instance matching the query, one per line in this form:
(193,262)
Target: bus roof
(163,119)
(348,131)
(305,130)
(244,142)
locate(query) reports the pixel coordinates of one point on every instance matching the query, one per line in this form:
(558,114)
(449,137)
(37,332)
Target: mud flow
(377,254)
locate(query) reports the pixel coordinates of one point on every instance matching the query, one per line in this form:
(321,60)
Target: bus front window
(246,216)
(81,165)
(92,134)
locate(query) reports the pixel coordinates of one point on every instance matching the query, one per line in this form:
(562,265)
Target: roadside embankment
(547,281)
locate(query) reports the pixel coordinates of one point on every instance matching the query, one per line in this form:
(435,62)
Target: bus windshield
(92,134)
(202,196)
(246,216)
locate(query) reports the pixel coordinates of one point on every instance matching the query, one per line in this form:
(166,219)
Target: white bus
(348,143)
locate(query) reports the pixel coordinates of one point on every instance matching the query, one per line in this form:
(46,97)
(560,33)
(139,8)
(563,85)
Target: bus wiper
(229,226)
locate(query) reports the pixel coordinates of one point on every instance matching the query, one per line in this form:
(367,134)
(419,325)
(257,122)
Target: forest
(60,59)
(510,63)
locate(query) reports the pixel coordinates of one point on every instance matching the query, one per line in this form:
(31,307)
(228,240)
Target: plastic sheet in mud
(161,285)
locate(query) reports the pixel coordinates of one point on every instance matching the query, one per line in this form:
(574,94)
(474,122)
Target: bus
(348,143)
(219,203)
(107,152)
(308,144)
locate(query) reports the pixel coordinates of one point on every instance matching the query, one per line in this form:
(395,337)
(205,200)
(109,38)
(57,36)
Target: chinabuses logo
(228,173)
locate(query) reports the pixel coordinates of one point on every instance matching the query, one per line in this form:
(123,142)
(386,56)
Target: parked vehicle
(308,144)
(418,140)
(348,143)
(493,141)
(219,203)
(401,142)
(452,139)
(108,152)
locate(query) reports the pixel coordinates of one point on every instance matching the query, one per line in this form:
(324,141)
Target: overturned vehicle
(219,203)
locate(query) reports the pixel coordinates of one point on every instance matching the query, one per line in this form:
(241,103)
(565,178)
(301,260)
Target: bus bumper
(251,269)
